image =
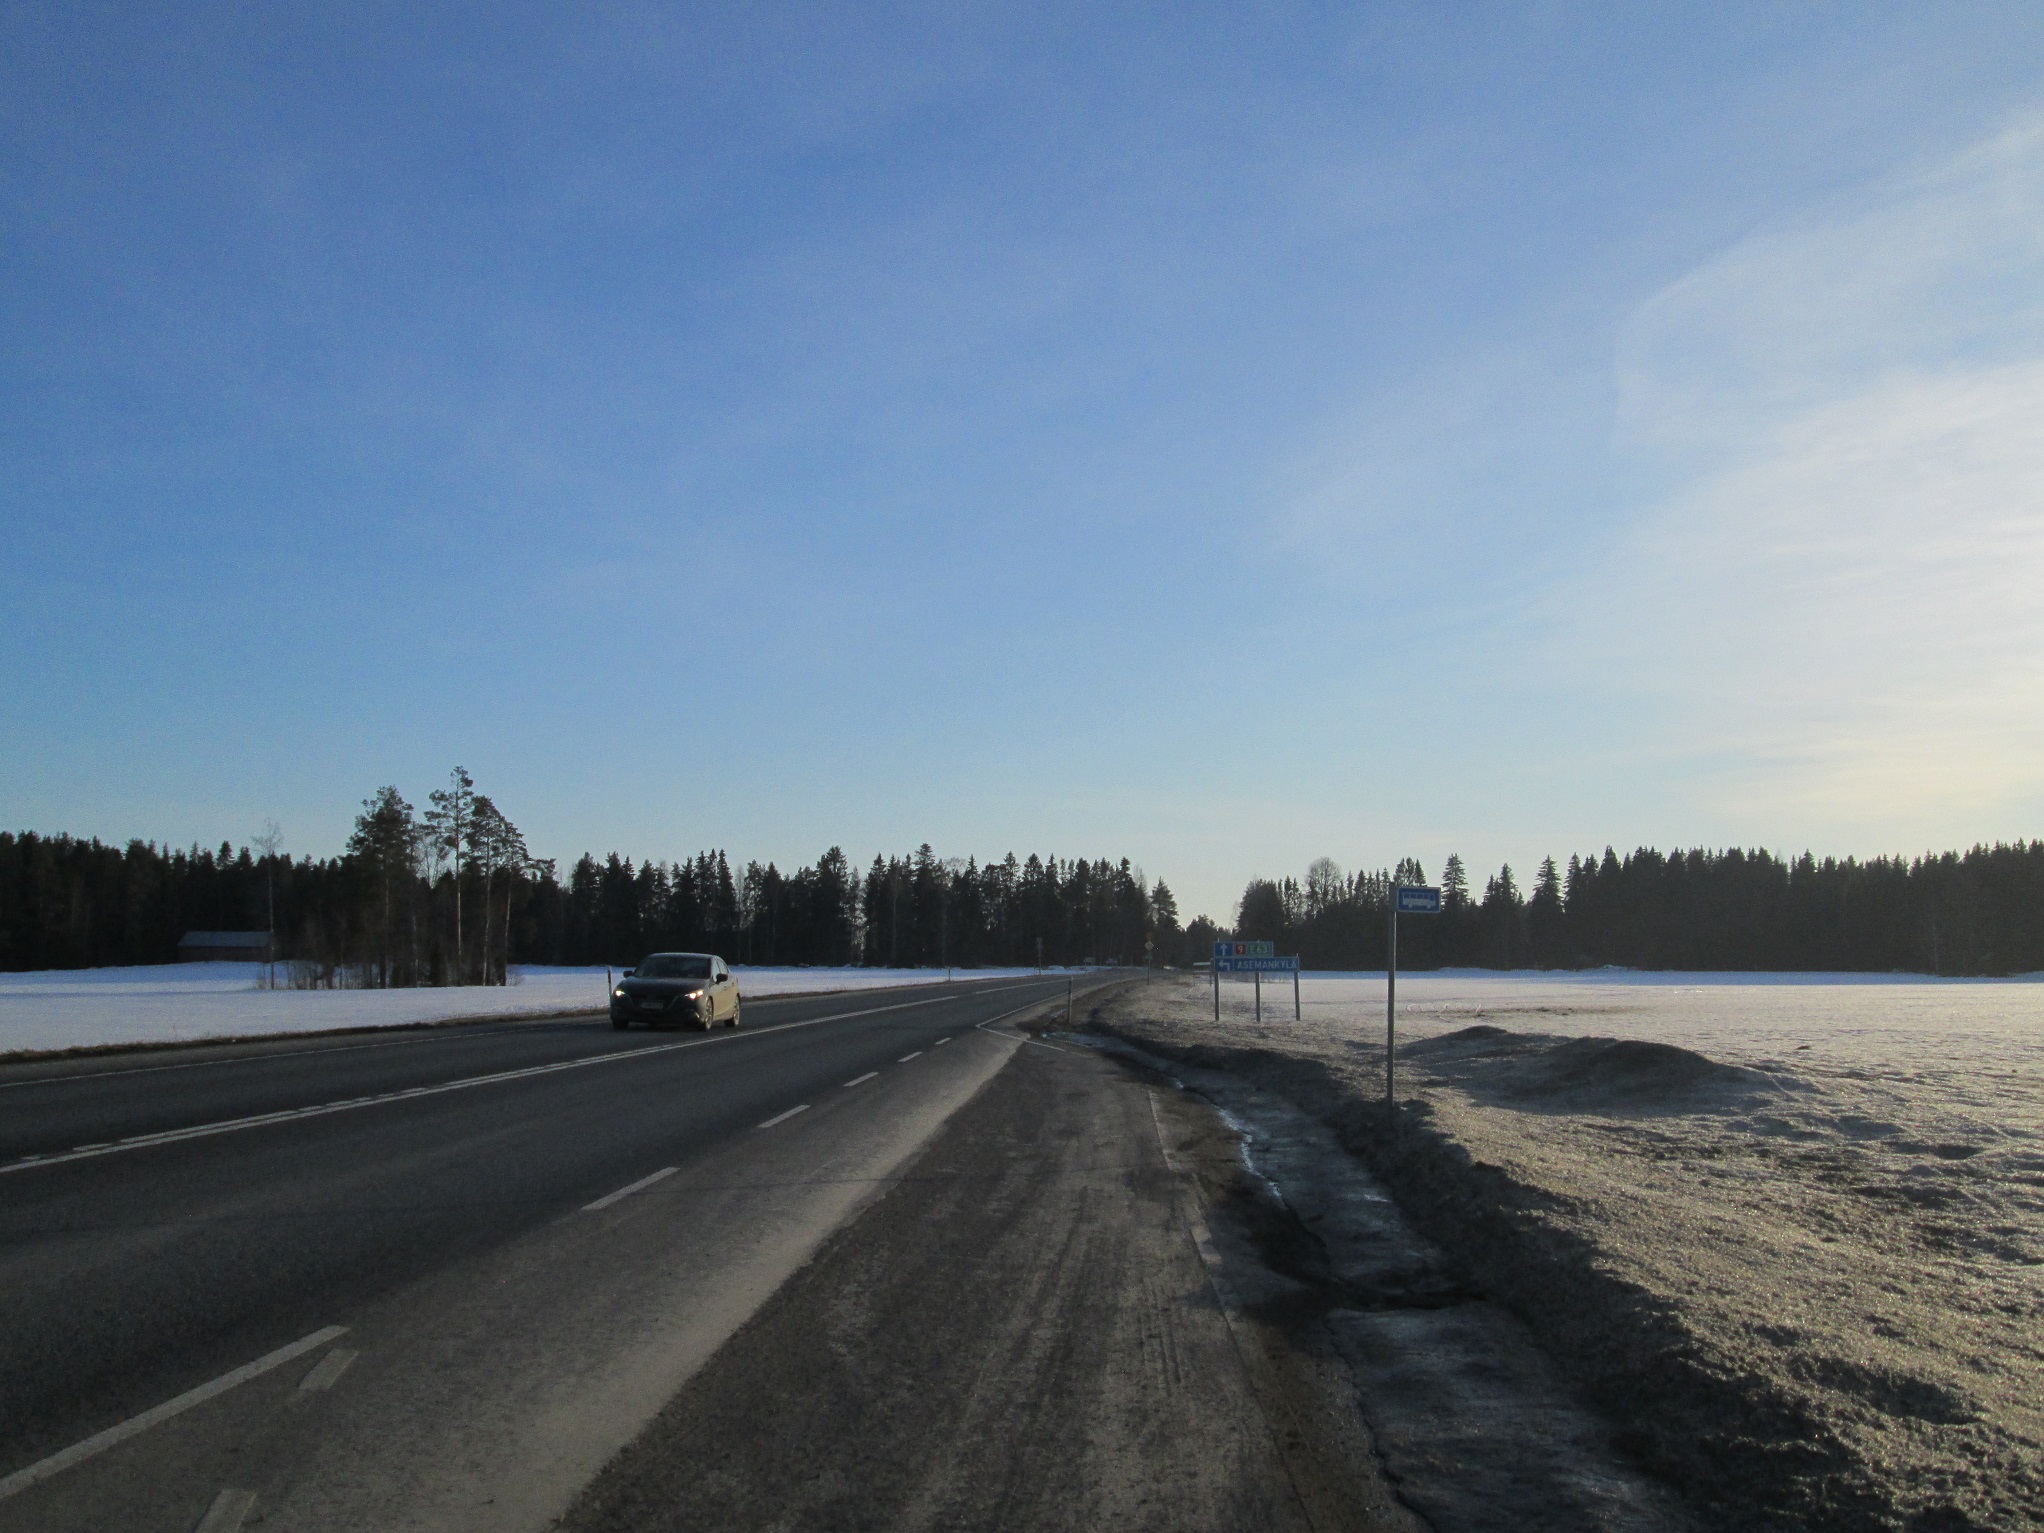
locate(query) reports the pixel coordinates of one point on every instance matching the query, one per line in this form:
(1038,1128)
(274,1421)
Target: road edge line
(99,1442)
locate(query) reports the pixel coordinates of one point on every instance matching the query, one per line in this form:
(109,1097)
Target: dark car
(692,988)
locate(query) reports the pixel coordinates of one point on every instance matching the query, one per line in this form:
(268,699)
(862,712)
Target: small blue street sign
(1418,900)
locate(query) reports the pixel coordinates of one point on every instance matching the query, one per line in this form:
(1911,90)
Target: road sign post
(1254,959)
(1413,900)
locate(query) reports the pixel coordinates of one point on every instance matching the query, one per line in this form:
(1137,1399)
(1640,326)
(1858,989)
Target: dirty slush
(1787,1240)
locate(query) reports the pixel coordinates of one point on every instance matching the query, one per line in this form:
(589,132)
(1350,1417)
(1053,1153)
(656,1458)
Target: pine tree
(450,822)
(382,847)
(1544,916)
(1454,884)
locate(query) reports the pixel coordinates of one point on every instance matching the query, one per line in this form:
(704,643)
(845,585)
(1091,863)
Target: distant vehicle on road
(677,988)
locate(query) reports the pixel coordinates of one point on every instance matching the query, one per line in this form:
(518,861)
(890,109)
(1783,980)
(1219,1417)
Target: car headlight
(620,993)
(693,995)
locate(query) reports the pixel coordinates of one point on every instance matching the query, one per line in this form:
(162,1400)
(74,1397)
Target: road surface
(443,1280)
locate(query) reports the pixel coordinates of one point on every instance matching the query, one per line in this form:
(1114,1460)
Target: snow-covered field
(55,1009)
(1792,1226)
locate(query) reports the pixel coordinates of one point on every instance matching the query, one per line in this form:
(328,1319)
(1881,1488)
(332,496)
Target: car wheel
(734,1015)
(620,1023)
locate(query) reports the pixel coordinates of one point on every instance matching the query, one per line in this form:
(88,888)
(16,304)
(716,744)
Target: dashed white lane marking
(244,1059)
(327,1371)
(918,1054)
(321,1109)
(869,1075)
(1163,1146)
(624,1192)
(1196,1224)
(940,1043)
(99,1442)
(227,1513)
(784,1117)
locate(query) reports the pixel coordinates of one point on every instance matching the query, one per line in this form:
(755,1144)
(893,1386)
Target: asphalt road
(1031,1330)
(431,1280)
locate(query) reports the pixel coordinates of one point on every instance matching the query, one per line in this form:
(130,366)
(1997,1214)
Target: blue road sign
(1418,900)
(1230,964)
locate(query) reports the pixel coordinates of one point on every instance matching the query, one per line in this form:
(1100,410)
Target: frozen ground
(1788,1230)
(55,1009)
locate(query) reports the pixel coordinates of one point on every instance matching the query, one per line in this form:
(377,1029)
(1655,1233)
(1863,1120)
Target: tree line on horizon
(450,895)
(1980,912)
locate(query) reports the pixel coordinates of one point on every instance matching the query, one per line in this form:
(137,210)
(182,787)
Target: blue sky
(1220,438)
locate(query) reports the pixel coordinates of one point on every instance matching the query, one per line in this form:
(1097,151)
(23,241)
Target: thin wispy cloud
(1840,613)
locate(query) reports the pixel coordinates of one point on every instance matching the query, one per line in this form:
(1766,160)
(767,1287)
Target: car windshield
(675,966)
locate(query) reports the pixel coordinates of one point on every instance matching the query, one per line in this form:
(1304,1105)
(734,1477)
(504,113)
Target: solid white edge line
(99,1442)
(232,1125)
(624,1192)
(1013,1011)
(228,1512)
(869,1075)
(918,1054)
(988,1027)
(61,1078)
(784,1117)
(429,1032)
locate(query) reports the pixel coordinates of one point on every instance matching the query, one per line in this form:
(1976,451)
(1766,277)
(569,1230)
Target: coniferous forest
(450,895)
(1979,912)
